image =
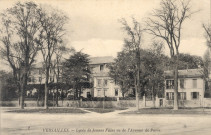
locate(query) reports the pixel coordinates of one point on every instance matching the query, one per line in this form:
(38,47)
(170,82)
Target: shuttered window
(170,95)
(195,95)
(182,95)
(194,83)
(182,83)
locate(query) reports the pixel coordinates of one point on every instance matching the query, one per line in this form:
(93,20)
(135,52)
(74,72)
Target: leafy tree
(57,66)
(8,87)
(77,71)
(153,65)
(133,44)
(187,61)
(123,71)
(153,62)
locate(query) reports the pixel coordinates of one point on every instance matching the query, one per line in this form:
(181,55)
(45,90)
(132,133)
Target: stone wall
(206,102)
(98,104)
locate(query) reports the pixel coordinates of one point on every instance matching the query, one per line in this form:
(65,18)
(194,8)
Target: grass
(105,110)
(50,110)
(170,111)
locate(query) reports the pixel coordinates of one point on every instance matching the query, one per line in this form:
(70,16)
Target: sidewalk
(116,112)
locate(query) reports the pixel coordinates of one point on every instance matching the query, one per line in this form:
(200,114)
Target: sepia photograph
(105,67)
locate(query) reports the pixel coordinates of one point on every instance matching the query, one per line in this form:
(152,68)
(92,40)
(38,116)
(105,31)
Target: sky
(95,29)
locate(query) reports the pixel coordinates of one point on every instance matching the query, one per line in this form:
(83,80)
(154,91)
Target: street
(107,123)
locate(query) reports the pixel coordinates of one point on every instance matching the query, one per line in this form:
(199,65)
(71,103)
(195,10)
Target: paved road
(100,124)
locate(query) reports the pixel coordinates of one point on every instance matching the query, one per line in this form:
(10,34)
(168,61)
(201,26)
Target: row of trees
(27,30)
(152,67)
(164,24)
(75,76)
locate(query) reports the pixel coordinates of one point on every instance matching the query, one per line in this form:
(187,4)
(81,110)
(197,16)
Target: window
(169,84)
(182,81)
(51,79)
(99,82)
(105,92)
(29,79)
(40,79)
(88,95)
(105,83)
(98,92)
(182,96)
(170,95)
(195,95)
(101,67)
(116,92)
(194,83)
(33,79)
(115,81)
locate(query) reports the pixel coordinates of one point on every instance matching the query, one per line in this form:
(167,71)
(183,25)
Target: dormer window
(101,67)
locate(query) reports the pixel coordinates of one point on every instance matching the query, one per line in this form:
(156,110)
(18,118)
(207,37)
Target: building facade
(104,86)
(191,85)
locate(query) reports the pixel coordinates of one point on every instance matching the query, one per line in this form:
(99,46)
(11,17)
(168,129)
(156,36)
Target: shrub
(127,98)
(100,99)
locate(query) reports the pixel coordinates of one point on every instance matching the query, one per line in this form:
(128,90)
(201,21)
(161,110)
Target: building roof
(187,73)
(101,60)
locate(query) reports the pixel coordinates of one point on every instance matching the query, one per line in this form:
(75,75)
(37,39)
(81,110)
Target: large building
(191,85)
(104,86)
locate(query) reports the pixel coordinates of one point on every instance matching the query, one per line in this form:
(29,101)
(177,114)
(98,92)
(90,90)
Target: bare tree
(207,29)
(52,34)
(207,57)
(133,43)
(166,23)
(19,32)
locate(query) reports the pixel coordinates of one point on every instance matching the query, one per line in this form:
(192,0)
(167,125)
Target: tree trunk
(137,97)
(80,97)
(138,87)
(62,96)
(23,89)
(57,81)
(176,107)
(57,97)
(19,100)
(38,94)
(153,96)
(75,91)
(22,96)
(46,89)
